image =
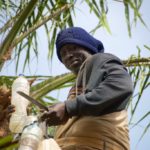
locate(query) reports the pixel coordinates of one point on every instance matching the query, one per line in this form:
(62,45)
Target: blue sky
(117,43)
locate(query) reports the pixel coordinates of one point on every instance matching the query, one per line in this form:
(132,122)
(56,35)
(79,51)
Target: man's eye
(63,53)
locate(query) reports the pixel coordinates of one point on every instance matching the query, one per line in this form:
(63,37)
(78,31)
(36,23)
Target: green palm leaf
(7,43)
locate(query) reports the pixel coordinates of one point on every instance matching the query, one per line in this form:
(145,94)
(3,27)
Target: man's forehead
(69,46)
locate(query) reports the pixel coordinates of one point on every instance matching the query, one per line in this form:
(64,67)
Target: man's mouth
(74,63)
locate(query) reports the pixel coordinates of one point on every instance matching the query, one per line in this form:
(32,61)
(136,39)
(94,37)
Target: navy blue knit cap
(76,35)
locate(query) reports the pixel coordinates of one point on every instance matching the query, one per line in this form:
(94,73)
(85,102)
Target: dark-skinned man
(94,116)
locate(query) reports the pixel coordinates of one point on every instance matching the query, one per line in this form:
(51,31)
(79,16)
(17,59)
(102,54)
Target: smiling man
(94,116)
(73,56)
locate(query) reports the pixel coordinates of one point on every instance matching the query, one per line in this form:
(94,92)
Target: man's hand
(5,97)
(6,113)
(6,109)
(10,109)
(56,115)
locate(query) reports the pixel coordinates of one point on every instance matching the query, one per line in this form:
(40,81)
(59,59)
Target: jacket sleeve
(111,94)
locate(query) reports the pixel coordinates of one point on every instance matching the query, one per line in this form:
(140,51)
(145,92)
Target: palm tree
(19,26)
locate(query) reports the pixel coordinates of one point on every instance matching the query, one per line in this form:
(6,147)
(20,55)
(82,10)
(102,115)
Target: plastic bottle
(32,135)
(18,118)
(49,144)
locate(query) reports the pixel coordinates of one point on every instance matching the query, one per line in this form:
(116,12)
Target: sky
(117,43)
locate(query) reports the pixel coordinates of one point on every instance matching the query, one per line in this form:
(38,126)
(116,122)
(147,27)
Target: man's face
(73,56)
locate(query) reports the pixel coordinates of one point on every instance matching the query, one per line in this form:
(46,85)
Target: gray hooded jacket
(108,87)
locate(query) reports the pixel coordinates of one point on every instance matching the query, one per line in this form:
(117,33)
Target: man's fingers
(11,106)
(43,116)
(46,115)
(53,121)
(55,115)
(11,109)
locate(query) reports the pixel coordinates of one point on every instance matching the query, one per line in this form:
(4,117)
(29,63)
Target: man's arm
(113,91)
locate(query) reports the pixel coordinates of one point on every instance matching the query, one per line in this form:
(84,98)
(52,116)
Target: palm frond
(8,142)
(48,85)
(135,7)
(143,85)
(139,72)
(127,17)
(147,47)
(144,132)
(5,48)
(141,119)
(100,10)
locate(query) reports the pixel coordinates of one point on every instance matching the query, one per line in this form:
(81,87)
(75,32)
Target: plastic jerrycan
(18,118)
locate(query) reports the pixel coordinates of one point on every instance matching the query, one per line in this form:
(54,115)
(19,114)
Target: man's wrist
(71,107)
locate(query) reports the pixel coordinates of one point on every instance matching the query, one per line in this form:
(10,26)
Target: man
(94,116)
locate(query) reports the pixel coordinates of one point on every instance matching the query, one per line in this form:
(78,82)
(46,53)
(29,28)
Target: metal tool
(32,100)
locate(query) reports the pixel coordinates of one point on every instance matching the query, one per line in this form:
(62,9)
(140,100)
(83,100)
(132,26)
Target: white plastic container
(32,135)
(49,144)
(18,118)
